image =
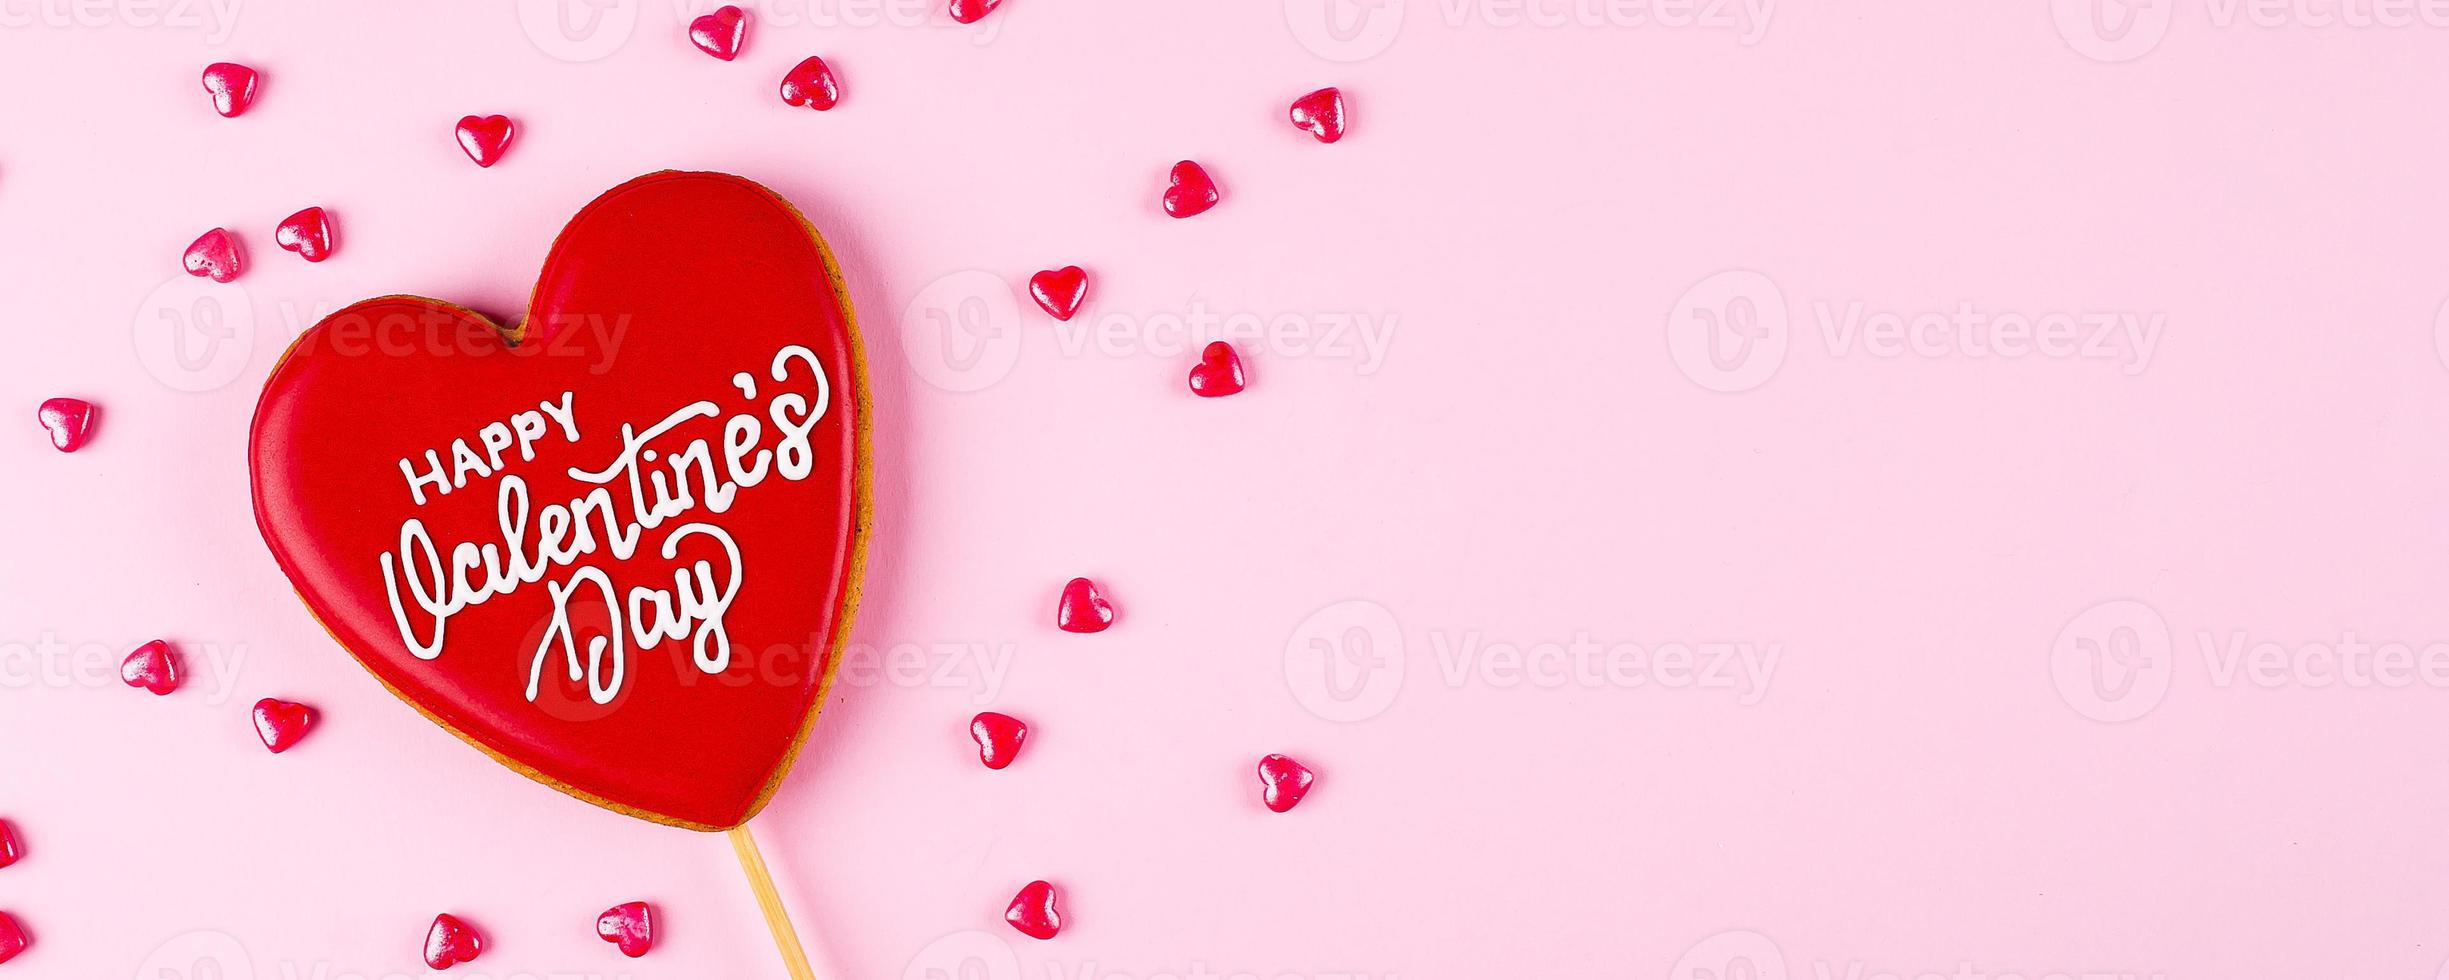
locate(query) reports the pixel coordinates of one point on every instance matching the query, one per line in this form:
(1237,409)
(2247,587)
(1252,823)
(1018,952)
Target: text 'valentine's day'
(630,496)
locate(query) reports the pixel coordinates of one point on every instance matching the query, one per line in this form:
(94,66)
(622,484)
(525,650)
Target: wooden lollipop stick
(786,939)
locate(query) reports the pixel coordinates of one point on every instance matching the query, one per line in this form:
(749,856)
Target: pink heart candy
(485,138)
(282,723)
(1033,911)
(69,420)
(630,925)
(153,666)
(214,255)
(1083,609)
(232,87)
(998,737)
(450,942)
(1287,781)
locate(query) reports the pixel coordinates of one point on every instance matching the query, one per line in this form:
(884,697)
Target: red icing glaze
(1219,371)
(153,667)
(811,84)
(1321,114)
(11,848)
(485,138)
(1287,781)
(282,723)
(667,292)
(232,87)
(13,938)
(1192,191)
(1059,291)
(971,11)
(450,942)
(631,926)
(1033,911)
(1083,609)
(720,33)
(70,421)
(214,255)
(308,233)
(998,737)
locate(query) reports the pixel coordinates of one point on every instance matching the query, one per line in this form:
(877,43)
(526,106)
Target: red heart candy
(1083,609)
(1287,781)
(969,11)
(153,667)
(69,420)
(232,86)
(485,137)
(1192,192)
(1033,911)
(1321,114)
(282,723)
(213,254)
(1059,291)
(700,315)
(451,942)
(10,847)
(630,926)
(720,33)
(13,938)
(1219,371)
(811,83)
(308,233)
(998,737)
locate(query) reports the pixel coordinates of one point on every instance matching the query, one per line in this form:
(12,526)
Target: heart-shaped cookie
(618,546)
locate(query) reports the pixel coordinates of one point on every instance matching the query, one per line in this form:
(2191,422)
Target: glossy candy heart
(232,87)
(485,138)
(721,32)
(669,468)
(450,942)
(811,84)
(11,847)
(1191,192)
(971,11)
(308,233)
(1033,911)
(153,667)
(13,938)
(630,926)
(1059,291)
(282,723)
(998,737)
(1219,371)
(1320,114)
(1083,609)
(1287,781)
(213,255)
(70,421)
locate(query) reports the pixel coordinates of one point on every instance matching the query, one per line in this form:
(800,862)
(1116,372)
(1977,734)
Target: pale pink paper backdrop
(1547,212)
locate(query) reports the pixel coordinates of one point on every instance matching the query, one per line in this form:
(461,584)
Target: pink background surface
(2122,658)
